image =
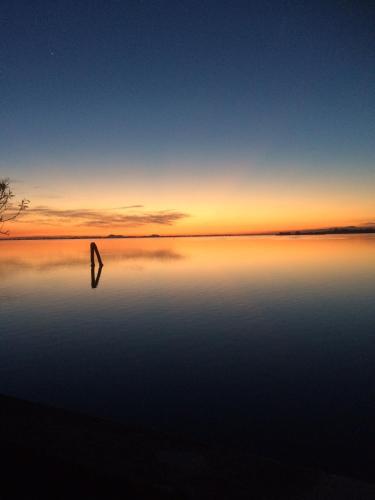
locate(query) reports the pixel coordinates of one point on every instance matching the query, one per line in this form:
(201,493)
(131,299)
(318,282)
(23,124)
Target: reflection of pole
(94,251)
(95,279)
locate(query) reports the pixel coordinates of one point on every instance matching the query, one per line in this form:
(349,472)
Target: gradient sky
(173,117)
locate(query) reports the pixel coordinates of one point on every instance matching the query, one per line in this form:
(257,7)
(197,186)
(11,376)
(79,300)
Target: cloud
(129,206)
(94,218)
(371,223)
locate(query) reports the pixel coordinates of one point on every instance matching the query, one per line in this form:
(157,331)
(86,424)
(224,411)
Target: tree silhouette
(9,210)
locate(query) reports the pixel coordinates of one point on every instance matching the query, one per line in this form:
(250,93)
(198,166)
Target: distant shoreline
(307,232)
(317,232)
(119,237)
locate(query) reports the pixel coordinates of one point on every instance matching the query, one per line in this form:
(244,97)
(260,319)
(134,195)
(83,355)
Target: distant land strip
(302,232)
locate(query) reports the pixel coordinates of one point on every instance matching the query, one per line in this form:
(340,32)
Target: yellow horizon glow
(234,202)
(211,219)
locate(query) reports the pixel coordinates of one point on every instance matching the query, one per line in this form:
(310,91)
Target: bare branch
(8,212)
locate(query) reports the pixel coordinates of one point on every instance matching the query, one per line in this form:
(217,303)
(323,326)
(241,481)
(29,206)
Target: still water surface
(264,342)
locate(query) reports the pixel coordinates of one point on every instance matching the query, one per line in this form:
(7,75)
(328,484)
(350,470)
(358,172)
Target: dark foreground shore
(53,453)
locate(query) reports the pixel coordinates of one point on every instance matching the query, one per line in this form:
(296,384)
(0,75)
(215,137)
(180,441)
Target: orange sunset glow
(178,206)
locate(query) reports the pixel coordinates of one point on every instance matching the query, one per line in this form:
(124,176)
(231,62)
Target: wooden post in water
(94,251)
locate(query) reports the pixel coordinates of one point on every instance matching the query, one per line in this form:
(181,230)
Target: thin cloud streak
(129,206)
(94,218)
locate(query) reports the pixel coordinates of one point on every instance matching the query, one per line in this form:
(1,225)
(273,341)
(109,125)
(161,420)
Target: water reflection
(268,341)
(21,256)
(95,276)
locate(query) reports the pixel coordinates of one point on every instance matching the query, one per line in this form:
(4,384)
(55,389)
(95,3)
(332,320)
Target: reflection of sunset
(193,258)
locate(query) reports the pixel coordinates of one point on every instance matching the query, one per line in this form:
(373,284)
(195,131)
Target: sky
(187,117)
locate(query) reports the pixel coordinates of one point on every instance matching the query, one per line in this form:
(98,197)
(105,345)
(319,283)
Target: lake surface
(263,342)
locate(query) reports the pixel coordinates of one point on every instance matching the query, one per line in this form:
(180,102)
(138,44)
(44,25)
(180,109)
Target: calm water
(264,342)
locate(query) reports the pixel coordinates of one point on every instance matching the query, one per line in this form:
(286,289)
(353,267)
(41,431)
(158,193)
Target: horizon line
(293,232)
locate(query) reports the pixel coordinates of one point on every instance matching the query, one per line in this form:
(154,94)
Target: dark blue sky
(277,79)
